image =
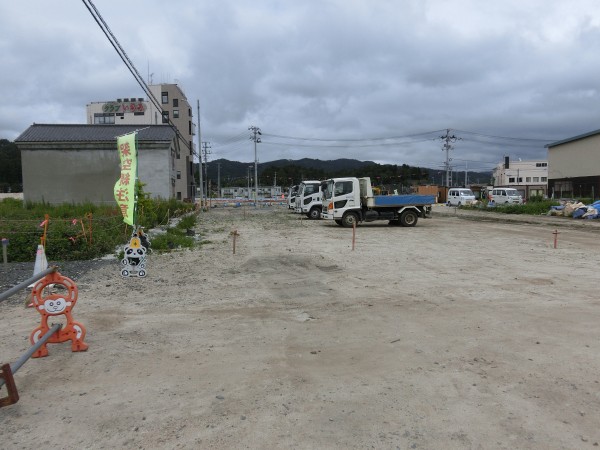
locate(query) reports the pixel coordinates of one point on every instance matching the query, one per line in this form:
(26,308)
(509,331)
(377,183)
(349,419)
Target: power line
(121,52)
(352,140)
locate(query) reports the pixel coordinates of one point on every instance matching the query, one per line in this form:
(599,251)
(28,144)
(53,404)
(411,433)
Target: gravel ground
(12,274)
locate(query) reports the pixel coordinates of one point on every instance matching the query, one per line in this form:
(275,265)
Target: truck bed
(400,200)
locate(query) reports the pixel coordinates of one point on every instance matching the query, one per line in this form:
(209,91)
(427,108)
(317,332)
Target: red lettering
(125,178)
(122,195)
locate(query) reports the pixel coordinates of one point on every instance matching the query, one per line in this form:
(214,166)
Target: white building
(530,178)
(242,192)
(174,107)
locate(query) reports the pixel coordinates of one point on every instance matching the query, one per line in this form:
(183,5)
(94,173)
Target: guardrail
(8,370)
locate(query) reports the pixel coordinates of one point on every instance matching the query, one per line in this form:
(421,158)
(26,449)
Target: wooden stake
(353,234)
(235,234)
(555,233)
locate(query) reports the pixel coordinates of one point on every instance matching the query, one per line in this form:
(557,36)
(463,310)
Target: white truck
(292,197)
(308,199)
(350,201)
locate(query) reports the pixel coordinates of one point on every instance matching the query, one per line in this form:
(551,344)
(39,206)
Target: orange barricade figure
(53,305)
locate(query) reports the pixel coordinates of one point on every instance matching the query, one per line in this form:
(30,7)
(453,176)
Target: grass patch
(174,238)
(76,231)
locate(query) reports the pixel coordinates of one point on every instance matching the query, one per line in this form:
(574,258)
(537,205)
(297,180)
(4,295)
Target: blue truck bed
(403,200)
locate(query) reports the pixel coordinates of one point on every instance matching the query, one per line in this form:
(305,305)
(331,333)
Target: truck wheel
(339,222)
(408,218)
(349,220)
(314,213)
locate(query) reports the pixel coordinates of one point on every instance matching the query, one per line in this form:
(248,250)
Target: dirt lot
(457,333)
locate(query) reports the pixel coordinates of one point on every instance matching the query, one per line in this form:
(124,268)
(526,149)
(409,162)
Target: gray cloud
(326,69)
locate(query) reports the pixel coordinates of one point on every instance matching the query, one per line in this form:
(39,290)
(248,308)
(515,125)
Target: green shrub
(77,231)
(535,208)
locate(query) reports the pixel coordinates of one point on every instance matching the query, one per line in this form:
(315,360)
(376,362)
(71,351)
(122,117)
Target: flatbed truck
(350,201)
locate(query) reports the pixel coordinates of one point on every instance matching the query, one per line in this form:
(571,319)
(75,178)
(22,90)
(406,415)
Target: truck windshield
(310,189)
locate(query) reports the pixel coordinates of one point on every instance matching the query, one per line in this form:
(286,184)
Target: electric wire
(123,55)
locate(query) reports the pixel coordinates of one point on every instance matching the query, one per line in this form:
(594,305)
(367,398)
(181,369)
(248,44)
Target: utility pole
(206,150)
(255,133)
(219,179)
(200,158)
(274,179)
(448,141)
(249,167)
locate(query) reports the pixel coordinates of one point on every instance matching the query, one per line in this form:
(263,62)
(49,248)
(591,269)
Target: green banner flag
(125,186)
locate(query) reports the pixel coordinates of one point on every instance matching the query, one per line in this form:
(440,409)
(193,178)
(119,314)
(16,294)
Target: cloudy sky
(374,80)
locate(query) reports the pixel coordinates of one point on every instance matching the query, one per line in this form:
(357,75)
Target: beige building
(530,178)
(574,166)
(174,107)
(80,163)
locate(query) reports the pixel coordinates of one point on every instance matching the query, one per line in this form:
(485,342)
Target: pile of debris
(577,210)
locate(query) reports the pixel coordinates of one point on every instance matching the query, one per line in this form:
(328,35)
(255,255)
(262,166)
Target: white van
(500,196)
(460,197)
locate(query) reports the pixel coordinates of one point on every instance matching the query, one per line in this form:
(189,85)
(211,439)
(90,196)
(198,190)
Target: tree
(11,176)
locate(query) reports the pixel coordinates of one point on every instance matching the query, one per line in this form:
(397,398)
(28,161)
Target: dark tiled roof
(93,133)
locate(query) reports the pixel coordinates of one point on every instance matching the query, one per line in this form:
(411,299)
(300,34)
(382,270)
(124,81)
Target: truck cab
(292,197)
(349,201)
(308,199)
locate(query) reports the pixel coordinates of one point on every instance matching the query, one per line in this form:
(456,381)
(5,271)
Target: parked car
(501,196)
(460,197)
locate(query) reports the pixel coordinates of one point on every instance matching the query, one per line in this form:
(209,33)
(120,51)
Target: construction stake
(235,234)
(555,233)
(353,234)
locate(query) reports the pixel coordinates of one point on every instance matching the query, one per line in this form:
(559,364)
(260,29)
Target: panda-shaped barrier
(134,258)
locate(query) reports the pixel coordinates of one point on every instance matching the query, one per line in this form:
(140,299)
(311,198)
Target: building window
(544,179)
(139,113)
(175,114)
(165,117)
(175,103)
(527,179)
(536,179)
(165,98)
(179,174)
(541,164)
(104,118)
(190,112)
(520,180)
(511,179)
(179,196)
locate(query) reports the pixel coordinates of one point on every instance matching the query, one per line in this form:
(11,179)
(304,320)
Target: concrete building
(242,192)
(530,178)
(80,163)
(174,107)
(575,166)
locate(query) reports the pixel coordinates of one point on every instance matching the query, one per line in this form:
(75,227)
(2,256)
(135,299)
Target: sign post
(4,255)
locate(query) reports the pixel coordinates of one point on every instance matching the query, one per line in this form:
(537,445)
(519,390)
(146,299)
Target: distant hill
(287,172)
